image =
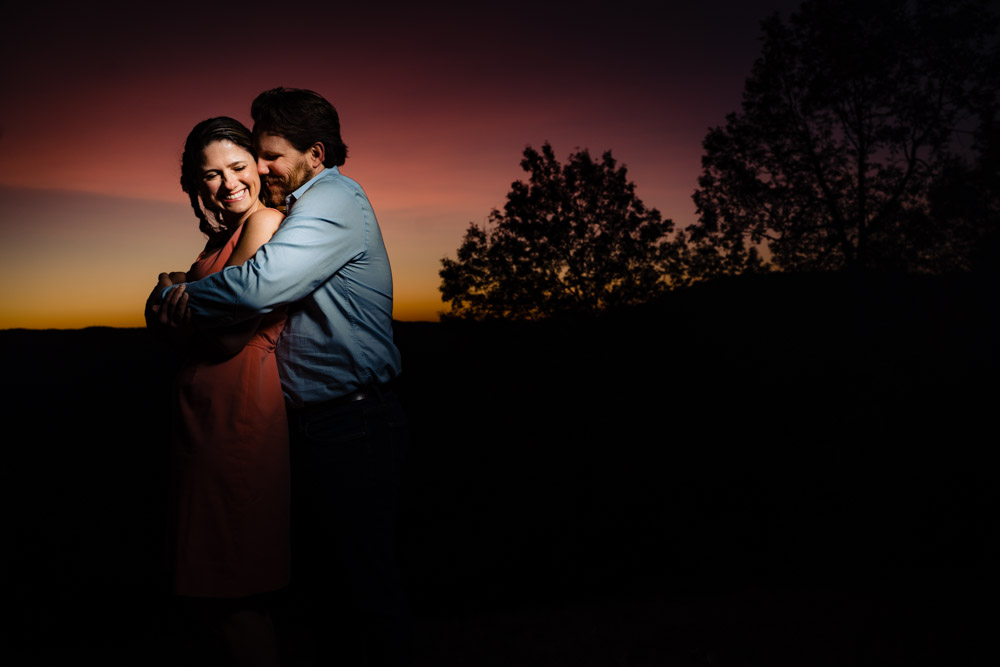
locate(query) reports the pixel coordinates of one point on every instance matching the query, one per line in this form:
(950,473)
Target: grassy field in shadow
(739,444)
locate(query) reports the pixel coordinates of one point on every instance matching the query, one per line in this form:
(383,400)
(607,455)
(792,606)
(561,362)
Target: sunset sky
(437,102)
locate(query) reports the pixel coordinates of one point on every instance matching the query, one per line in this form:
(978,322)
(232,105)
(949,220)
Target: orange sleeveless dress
(231,467)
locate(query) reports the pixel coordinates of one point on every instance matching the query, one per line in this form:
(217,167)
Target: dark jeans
(346,467)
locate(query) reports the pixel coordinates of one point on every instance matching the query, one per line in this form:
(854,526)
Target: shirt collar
(290,199)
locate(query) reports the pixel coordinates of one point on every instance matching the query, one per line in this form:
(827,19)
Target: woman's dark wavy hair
(220,128)
(303,118)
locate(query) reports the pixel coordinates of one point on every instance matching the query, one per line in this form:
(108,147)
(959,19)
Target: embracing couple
(287,438)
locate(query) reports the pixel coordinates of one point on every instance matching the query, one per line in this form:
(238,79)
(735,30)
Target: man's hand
(152,311)
(173,312)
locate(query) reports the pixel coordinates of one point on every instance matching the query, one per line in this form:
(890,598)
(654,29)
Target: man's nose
(261,167)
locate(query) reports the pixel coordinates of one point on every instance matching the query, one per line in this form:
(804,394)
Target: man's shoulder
(331,183)
(334,192)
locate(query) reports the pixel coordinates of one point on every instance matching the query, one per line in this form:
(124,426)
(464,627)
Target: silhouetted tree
(965,200)
(574,238)
(852,112)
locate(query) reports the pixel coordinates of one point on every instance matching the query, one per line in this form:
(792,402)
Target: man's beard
(276,189)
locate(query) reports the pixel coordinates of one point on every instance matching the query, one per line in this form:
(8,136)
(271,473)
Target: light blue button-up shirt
(328,263)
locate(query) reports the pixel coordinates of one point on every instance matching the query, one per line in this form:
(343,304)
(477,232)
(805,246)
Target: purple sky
(437,102)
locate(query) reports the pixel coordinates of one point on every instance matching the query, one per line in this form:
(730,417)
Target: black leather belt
(362,394)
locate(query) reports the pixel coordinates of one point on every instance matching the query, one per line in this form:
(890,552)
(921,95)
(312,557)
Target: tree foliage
(965,201)
(854,111)
(573,238)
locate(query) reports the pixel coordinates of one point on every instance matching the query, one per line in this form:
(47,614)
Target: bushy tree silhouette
(574,238)
(965,201)
(854,110)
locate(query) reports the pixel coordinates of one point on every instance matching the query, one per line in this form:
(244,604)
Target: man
(327,263)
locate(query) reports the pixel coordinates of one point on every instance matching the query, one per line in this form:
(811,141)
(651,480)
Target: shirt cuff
(165,291)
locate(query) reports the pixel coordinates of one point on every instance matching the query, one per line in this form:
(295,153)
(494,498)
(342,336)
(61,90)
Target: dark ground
(785,470)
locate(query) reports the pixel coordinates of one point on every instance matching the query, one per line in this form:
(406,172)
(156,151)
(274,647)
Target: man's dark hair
(303,118)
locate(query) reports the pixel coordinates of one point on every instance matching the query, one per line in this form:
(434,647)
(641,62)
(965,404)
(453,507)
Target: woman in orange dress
(229,435)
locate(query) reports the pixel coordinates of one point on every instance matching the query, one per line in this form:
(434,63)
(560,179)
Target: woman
(229,433)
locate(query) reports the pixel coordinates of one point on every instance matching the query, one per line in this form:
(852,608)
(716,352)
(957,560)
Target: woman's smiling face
(229,182)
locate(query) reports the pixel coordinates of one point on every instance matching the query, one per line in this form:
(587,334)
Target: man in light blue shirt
(328,265)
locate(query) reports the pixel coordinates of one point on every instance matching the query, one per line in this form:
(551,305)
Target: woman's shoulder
(265,219)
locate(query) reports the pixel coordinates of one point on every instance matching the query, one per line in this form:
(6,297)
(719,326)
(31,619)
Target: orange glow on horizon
(90,205)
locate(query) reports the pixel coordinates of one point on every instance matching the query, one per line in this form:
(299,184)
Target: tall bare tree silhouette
(853,113)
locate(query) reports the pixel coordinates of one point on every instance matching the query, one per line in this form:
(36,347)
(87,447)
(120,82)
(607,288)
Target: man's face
(281,166)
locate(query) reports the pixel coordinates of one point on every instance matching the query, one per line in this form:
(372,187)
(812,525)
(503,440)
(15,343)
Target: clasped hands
(173,312)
